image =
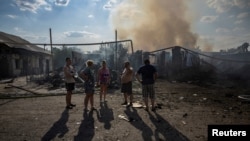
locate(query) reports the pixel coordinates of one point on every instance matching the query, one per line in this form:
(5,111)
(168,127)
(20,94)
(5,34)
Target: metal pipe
(80,44)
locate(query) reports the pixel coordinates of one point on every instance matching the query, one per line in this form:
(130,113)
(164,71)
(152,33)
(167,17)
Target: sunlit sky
(222,24)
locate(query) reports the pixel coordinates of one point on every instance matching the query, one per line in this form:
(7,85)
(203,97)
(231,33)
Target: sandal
(93,109)
(72,105)
(69,107)
(125,103)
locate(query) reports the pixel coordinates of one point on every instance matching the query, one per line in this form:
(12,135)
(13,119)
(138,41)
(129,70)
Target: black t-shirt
(147,72)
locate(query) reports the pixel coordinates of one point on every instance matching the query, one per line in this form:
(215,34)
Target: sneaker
(125,103)
(69,107)
(93,109)
(72,105)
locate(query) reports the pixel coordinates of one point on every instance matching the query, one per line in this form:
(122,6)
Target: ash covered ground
(184,112)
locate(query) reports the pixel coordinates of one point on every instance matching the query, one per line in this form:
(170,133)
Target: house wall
(5,61)
(5,66)
(16,64)
(19,64)
(47,67)
(38,64)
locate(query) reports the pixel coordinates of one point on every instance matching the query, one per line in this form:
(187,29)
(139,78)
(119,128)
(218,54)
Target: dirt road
(184,111)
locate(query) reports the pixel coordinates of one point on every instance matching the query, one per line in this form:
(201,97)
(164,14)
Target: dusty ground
(184,113)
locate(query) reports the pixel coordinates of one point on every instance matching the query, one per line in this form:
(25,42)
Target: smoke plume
(154,24)
(208,47)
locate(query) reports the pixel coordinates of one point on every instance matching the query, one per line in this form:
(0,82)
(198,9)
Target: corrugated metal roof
(20,43)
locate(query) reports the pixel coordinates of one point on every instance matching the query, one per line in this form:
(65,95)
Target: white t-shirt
(69,74)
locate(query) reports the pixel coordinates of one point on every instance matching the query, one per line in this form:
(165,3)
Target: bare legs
(131,98)
(146,102)
(149,93)
(89,98)
(152,103)
(126,95)
(68,98)
(103,92)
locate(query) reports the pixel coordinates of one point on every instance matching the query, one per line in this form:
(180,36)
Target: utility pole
(105,47)
(116,50)
(50,35)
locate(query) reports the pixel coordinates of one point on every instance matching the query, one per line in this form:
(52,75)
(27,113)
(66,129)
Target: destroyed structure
(173,63)
(17,58)
(192,65)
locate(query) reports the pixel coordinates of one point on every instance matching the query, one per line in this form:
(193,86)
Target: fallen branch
(25,89)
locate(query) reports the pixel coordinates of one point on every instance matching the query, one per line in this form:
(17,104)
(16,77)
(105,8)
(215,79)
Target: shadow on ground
(86,130)
(164,131)
(58,127)
(105,115)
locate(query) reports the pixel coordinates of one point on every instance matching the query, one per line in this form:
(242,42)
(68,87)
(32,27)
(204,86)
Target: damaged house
(19,58)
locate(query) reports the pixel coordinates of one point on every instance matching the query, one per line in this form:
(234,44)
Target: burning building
(176,63)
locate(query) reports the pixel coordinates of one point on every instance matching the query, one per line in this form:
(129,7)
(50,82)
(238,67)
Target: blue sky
(219,24)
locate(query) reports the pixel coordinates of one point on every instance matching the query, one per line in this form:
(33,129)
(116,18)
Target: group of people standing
(146,75)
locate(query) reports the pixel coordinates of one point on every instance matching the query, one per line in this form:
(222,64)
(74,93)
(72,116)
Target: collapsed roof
(13,41)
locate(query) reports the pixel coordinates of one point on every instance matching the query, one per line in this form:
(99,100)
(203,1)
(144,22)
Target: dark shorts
(127,88)
(89,88)
(89,91)
(70,86)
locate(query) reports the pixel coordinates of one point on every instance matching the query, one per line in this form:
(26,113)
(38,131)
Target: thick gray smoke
(154,24)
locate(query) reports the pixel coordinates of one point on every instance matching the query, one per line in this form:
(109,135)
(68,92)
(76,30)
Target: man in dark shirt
(148,76)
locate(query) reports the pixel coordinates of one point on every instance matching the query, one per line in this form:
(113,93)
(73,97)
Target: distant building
(18,58)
